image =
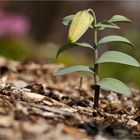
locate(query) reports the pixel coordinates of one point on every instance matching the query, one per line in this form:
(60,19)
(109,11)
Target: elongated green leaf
(74,69)
(114,38)
(86,45)
(119,18)
(73,45)
(106,24)
(64,48)
(117,57)
(67,20)
(114,85)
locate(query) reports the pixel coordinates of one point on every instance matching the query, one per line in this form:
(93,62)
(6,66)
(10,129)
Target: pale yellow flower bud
(80,23)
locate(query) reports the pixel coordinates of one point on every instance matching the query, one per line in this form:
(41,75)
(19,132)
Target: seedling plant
(78,24)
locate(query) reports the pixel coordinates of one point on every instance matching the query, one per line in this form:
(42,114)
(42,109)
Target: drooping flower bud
(80,23)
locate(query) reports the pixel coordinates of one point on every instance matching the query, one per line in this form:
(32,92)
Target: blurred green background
(33,30)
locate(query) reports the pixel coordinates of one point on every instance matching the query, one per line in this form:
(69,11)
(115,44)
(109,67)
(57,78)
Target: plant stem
(96,77)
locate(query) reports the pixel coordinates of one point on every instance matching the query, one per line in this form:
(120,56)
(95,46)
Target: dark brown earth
(36,105)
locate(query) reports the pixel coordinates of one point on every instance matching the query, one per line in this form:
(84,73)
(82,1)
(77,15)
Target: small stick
(96,89)
(96,96)
(80,84)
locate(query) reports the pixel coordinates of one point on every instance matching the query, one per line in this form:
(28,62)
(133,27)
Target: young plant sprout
(79,24)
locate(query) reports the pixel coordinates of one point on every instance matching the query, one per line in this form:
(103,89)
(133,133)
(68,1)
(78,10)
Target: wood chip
(32,96)
(132,123)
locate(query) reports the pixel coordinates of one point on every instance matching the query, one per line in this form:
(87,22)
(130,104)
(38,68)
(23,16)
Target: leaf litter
(36,105)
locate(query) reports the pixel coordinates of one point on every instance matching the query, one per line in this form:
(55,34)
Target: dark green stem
(96,77)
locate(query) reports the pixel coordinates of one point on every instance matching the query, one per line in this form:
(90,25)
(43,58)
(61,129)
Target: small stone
(132,123)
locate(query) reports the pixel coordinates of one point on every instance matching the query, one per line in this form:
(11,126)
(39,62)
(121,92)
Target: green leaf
(74,69)
(114,85)
(117,57)
(86,45)
(119,18)
(67,20)
(106,24)
(73,45)
(114,38)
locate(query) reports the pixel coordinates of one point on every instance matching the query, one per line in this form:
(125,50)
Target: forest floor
(36,105)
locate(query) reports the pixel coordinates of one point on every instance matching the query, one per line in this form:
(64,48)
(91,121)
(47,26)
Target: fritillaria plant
(79,24)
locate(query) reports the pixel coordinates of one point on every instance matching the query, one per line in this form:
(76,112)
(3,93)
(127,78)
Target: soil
(36,105)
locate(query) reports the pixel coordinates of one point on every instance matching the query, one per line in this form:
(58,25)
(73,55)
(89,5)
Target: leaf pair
(74,45)
(107,39)
(106,83)
(101,25)
(110,23)
(106,57)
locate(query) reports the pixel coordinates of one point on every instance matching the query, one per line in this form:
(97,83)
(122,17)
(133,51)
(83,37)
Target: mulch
(36,105)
